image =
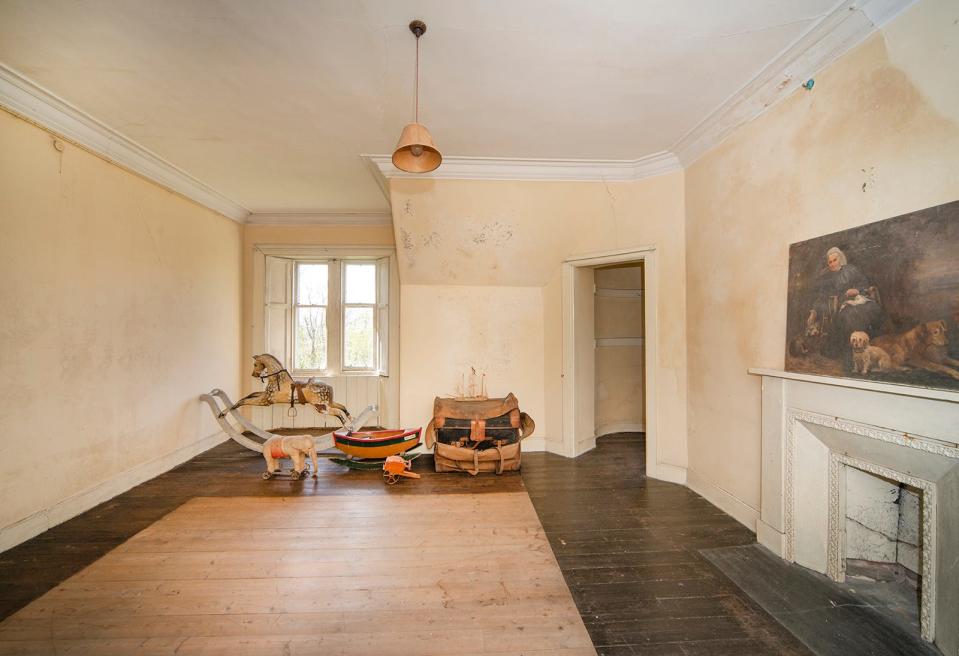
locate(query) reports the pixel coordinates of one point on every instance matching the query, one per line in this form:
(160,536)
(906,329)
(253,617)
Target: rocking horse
(281,388)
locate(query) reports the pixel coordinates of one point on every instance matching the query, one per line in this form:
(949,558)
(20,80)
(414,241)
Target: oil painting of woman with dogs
(880,301)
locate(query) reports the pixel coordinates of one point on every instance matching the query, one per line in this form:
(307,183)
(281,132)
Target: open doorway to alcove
(618,353)
(609,336)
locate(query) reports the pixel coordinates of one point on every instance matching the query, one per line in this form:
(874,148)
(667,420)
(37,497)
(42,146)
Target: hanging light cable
(415,151)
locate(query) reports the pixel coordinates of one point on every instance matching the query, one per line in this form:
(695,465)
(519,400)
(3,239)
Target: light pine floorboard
(403,575)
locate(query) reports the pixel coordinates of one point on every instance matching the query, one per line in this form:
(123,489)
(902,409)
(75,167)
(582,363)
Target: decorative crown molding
(505,168)
(32,102)
(320,218)
(837,32)
(841,29)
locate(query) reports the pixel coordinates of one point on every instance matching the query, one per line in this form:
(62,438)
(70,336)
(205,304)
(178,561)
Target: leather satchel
(475,436)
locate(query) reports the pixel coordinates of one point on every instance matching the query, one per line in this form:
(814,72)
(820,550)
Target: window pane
(312,284)
(309,347)
(358,338)
(360,283)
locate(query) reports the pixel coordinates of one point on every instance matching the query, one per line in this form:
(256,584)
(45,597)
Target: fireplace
(837,451)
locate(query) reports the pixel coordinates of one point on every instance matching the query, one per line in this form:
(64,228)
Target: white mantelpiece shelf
(886,388)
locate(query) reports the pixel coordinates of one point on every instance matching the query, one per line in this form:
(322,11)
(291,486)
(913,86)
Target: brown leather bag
(484,449)
(499,459)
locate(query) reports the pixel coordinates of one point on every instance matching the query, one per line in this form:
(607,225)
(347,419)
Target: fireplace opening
(883,538)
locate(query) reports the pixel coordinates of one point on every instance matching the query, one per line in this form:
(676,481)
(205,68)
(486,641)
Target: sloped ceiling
(271,103)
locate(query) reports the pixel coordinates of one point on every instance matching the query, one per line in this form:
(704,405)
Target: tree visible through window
(359,308)
(310,332)
(336,316)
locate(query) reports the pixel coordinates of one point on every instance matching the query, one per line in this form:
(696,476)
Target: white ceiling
(272,102)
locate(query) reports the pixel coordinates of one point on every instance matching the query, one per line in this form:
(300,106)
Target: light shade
(415,152)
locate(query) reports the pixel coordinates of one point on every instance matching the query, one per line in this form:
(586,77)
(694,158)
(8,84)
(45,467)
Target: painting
(879,302)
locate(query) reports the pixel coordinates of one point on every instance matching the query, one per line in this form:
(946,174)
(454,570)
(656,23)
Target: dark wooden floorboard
(628,546)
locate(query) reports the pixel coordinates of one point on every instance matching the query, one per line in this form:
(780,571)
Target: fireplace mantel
(813,427)
(869,385)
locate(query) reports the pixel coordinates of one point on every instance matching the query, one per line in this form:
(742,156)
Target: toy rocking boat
(376,444)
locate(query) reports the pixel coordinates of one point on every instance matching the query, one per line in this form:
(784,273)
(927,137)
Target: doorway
(618,353)
(585,368)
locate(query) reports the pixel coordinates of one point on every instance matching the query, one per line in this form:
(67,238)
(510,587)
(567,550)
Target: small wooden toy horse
(295,447)
(281,388)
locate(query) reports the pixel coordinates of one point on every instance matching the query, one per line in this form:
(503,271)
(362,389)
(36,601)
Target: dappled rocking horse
(282,388)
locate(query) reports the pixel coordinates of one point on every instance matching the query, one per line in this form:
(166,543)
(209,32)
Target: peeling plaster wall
(510,237)
(877,136)
(121,305)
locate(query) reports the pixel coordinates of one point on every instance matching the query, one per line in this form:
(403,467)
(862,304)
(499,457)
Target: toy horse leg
(254,398)
(342,415)
(312,453)
(341,407)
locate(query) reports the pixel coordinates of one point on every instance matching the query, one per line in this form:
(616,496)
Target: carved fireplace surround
(814,428)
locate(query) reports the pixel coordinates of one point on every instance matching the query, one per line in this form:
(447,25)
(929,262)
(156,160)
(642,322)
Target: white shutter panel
(383,315)
(277,301)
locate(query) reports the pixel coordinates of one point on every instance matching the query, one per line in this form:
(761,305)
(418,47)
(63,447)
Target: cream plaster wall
(877,136)
(502,235)
(121,305)
(449,328)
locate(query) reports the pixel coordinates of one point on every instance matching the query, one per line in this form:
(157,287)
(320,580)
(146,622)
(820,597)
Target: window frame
(295,306)
(344,306)
(273,312)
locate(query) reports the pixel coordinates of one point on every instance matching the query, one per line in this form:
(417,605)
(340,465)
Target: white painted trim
(872,386)
(319,252)
(320,218)
(771,538)
(585,444)
(40,521)
(841,29)
(728,503)
(669,473)
(602,342)
(571,447)
(30,101)
(507,168)
(610,257)
(620,427)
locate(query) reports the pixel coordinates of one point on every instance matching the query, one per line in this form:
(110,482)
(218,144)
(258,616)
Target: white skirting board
(666,472)
(37,523)
(739,509)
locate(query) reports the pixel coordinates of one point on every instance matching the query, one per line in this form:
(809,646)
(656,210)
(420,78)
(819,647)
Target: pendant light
(415,151)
